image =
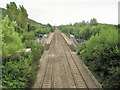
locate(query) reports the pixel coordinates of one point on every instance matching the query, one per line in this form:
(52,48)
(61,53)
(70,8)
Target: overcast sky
(58,12)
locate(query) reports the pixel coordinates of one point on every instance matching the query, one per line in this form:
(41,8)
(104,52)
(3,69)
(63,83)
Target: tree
(11,40)
(19,15)
(24,17)
(12,11)
(82,23)
(93,21)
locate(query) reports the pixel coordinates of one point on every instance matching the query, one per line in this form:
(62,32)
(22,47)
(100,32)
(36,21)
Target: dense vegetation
(21,49)
(100,51)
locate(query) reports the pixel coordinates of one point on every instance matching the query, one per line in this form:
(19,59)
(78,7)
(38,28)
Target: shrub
(17,74)
(101,54)
(37,50)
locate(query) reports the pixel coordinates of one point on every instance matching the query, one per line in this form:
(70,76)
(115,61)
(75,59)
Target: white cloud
(58,12)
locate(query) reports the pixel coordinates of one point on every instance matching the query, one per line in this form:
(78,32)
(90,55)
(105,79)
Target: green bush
(37,50)
(85,33)
(102,56)
(28,36)
(17,74)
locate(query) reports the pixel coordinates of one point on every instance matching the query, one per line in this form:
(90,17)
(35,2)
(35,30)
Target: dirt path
(62,68)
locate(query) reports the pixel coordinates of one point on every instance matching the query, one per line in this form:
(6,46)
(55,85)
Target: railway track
(61,68)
